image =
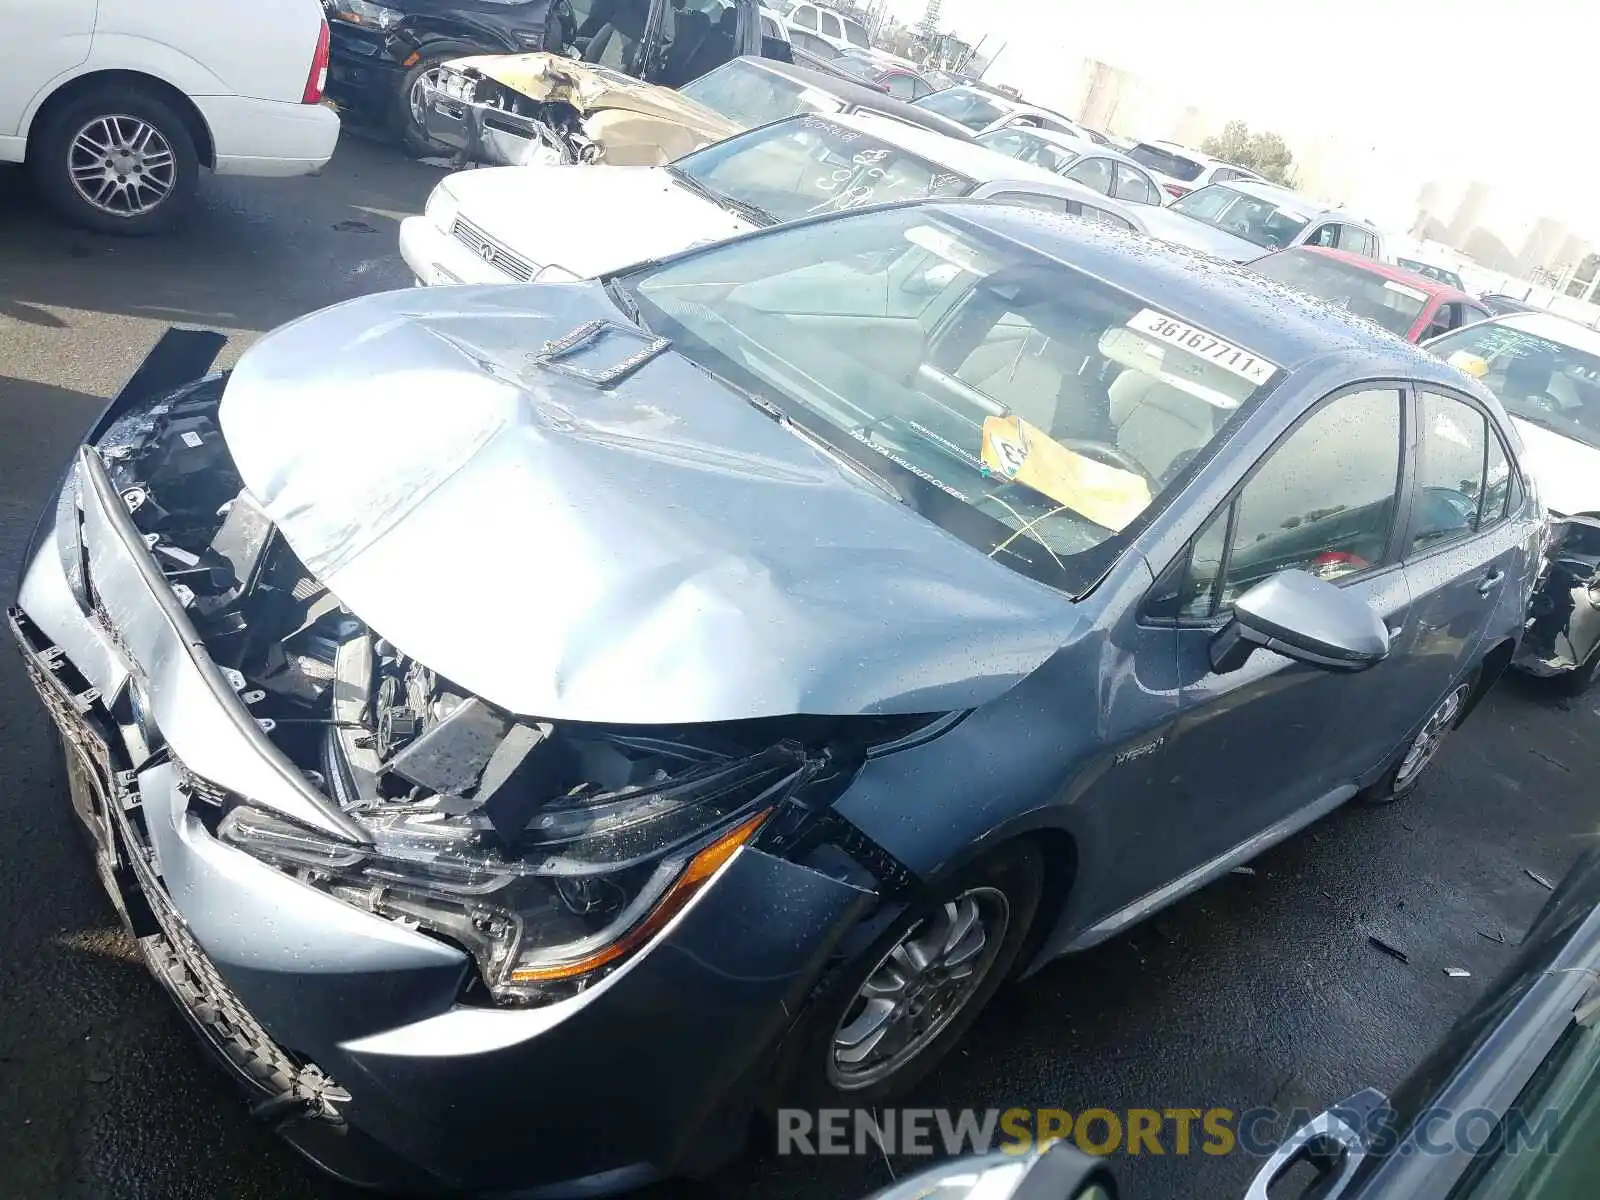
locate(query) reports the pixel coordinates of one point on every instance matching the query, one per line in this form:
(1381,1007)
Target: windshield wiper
(739,208)
(762,404)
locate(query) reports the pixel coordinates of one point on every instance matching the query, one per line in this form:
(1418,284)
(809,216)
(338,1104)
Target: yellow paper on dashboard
(1107,495)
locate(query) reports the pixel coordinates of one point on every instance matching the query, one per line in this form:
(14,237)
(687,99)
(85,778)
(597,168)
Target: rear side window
(1323,501)
(805,16)
(1463,477)
(1165,161)
(830,25)
(856,35)
(1093,173)
(1134,187)
(1358,241)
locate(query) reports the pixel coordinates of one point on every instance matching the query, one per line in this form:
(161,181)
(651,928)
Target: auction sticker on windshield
(1235,359)
(1404,289)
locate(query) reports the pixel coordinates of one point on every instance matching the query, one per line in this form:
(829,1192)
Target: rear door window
(1134,186)
(856,35)
(830,25)
(1093,173)
(805,16)
(1357,241)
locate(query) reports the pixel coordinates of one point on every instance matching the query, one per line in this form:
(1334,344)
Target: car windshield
(809,165)
(751,96)
(966,106)
(1029,148)
(1248,217)
(961,369)
(1395,306)
(1165,161)
(1542,381)
(1429,271)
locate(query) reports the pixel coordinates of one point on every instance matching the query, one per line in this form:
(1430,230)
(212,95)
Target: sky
(1454,89)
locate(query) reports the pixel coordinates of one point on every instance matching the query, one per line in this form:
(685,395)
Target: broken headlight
(363,12)
(546,915)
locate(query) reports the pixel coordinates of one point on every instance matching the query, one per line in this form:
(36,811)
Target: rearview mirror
(1304,618)
(1058,1172)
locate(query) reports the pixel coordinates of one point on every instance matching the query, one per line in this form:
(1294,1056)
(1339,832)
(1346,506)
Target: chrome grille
(494,252)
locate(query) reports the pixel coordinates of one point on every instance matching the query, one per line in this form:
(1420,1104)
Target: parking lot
(1262,989)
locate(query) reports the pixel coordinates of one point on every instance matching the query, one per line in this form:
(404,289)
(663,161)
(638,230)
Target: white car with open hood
(519,224)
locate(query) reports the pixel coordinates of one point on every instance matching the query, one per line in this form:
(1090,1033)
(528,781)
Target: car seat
(616,44)
(1157,425)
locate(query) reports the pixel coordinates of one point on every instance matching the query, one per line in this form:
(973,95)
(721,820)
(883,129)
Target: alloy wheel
(916,989)
(417,100)
(1430,737)
(122,165)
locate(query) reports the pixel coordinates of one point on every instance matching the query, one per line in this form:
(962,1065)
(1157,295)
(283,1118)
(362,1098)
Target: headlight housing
(592,882)
(364,12)
(442,208)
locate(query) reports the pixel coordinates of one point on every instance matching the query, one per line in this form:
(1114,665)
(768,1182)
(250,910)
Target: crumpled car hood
(1172,226)
(589,88)
(658,552)
(590,220)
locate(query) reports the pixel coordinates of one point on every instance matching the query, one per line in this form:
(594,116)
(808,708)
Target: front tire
(407,105)
(117,159)
(887,1018)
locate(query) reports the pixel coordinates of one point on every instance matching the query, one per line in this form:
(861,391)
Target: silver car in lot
(1103,168)
(530,730)
(1245,219)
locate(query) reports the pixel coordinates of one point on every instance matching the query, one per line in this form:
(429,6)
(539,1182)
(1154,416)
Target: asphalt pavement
(1262,989)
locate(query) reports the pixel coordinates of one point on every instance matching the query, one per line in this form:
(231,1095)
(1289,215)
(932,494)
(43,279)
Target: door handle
(1490,581)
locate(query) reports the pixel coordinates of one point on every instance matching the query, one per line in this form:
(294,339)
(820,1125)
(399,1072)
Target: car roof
(1433,287)
(1555,328)
(965,158)
(859,95)
(1268,318)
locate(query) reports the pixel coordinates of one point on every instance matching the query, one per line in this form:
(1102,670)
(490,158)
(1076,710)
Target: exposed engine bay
(548,109)
(535,845)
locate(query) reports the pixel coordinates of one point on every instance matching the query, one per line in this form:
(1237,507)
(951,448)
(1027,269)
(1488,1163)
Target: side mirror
(1058,1172)
(1332,1144)
(1304,618)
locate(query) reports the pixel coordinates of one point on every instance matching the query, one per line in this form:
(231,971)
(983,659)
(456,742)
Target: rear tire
(832,1060)
(1411,764)
(118,159)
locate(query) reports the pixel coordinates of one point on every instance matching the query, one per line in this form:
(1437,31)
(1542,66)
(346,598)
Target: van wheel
(117,159)
(886,1018)
(1414,759)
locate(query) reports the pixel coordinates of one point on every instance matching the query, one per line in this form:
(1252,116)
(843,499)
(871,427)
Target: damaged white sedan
(553,222)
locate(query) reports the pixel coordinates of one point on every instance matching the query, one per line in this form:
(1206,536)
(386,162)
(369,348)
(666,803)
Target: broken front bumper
(357,1036)
(1563,629)
(483,133)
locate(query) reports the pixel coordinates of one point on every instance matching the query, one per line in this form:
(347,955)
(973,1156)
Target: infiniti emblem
(486,252)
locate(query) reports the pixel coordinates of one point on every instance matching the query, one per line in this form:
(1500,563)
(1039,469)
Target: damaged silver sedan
(533,730)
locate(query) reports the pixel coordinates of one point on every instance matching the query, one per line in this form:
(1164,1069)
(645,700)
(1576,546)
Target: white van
(115,105)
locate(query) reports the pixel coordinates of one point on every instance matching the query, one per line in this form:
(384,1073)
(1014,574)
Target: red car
(1409,306)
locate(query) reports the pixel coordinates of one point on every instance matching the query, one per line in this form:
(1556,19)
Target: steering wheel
(1105,452)
(1546,403)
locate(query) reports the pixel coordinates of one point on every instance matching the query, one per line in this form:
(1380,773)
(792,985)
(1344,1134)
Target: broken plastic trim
(92,473)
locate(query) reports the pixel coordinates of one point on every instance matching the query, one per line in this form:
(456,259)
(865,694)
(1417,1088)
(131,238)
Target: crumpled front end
(1563,630)
(440,945)
(547,109)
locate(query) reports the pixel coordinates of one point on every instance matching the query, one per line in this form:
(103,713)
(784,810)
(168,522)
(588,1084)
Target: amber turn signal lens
(706,863)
